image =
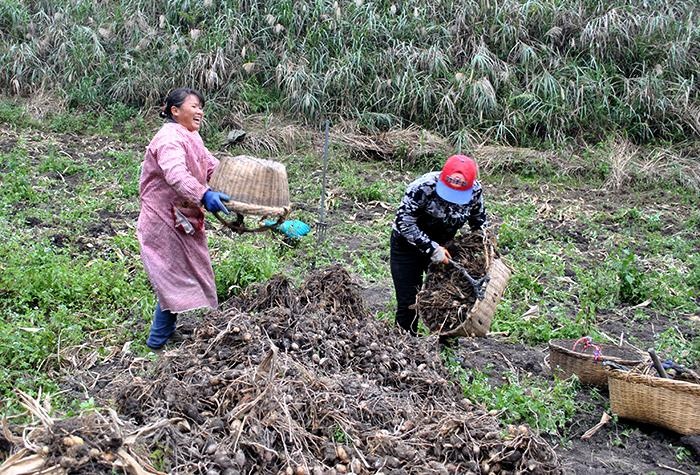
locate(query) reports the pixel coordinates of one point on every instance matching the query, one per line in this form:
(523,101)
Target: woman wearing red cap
(434,208)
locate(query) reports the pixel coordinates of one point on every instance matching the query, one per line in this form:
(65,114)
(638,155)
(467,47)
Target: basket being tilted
(448,304)
(257,187)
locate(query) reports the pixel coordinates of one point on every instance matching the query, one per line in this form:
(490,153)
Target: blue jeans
(162,327)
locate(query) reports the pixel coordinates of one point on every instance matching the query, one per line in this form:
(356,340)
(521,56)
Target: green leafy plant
(257,97)
(653,222)
(157,456)
(632,289)
(61,164)
(46,298)
(530,400)
(671,344)
(619,439)
(339,435)
(682,454)
(13,114)
(236,267)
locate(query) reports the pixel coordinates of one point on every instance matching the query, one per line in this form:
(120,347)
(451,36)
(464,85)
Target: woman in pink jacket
(170,229)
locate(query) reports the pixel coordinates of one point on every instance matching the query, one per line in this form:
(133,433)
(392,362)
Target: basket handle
(588,343)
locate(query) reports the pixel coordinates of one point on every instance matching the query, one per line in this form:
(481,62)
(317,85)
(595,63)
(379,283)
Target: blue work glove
(212,201)
(293,228)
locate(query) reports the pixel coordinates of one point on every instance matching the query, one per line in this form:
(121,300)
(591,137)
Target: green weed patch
(52,300)
(541,404)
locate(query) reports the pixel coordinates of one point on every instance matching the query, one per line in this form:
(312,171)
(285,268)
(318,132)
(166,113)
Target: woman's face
(189,114)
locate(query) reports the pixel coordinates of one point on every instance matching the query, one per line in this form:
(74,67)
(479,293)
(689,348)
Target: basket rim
(503,280)
(257,210)
(655,381)
(585,356)
(461,329)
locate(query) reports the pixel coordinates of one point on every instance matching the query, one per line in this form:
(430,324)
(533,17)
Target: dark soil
(620,447)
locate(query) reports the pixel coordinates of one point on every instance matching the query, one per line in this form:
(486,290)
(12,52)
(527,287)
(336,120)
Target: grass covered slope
(514,72)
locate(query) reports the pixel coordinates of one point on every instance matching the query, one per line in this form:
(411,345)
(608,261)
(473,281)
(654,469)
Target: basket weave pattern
(664,402)
(565,361)
(256,186)
(478,320)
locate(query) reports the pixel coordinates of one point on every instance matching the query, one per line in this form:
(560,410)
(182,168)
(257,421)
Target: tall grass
(510,71)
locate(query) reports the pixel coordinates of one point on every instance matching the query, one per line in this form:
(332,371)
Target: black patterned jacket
(427,221)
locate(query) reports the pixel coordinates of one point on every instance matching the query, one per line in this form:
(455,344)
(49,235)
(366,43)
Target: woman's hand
(213,201)
(440,256)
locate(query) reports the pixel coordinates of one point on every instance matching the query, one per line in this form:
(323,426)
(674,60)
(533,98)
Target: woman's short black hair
(176,97)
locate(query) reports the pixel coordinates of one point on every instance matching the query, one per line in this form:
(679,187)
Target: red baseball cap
(456,181)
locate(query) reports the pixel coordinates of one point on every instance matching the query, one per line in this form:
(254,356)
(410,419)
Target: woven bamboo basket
(565,361)
(256,186)
(477,322)
(668,403)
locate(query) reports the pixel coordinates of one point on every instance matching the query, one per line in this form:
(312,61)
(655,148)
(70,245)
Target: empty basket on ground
(256,186)
(477,322)
(585,360)
(664,402)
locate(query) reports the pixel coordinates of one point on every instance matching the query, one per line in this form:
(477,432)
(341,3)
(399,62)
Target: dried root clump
(410,145)
(322,388)
(446,297)
(333,291)
(277,292)
(92,443)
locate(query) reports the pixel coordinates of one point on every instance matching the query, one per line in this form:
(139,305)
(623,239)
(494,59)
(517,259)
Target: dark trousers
(408,265)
